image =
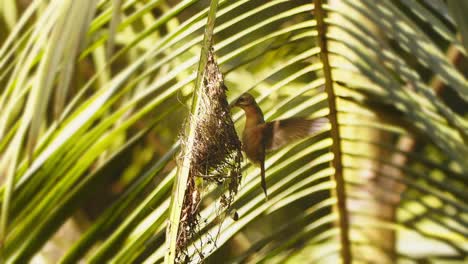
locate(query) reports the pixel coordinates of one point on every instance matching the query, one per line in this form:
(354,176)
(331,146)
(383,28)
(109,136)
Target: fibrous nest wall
(216,156)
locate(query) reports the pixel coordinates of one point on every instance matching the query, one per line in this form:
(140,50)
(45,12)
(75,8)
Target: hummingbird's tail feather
(264,186)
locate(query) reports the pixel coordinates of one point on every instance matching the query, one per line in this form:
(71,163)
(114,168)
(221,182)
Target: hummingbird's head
(244,100)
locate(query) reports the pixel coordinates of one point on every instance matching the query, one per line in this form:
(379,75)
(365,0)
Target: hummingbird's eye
(244,99)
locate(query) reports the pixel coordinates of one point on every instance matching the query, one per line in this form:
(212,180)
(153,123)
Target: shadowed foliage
(94,95)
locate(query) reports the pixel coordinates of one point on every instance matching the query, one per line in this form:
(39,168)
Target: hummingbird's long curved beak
(235,103)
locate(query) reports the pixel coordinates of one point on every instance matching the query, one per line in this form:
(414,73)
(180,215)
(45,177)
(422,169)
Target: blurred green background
(93,96)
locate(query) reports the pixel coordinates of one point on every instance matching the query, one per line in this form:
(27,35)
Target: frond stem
(335,133)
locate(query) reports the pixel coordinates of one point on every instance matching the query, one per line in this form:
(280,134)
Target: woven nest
(216,156)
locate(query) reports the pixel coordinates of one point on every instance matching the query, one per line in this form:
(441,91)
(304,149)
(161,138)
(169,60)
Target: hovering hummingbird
(259,137)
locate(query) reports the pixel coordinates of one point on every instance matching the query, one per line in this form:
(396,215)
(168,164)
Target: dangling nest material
(216,155)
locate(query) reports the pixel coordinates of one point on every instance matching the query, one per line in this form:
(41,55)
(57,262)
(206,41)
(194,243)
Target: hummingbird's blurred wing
(282,132)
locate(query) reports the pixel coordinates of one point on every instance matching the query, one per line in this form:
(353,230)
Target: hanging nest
(216,156)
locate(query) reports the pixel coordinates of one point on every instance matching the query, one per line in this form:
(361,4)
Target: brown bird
(259,137)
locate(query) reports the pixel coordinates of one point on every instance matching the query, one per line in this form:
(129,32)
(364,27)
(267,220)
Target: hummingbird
(259,136)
